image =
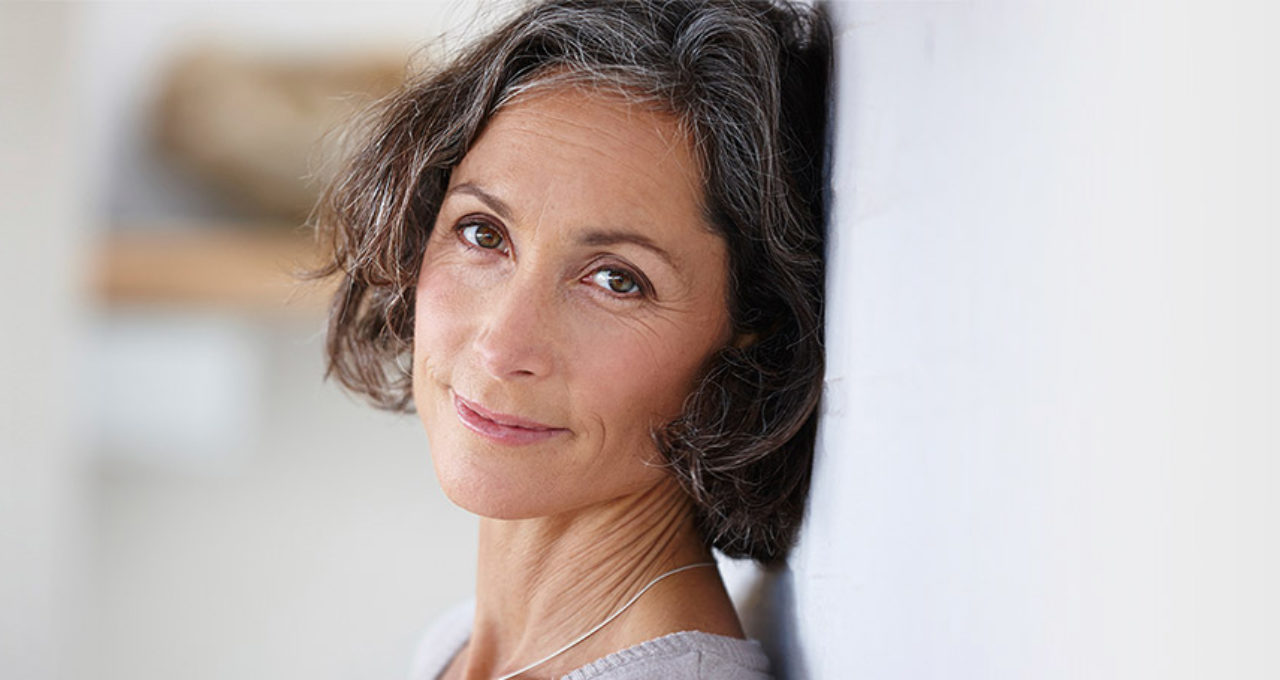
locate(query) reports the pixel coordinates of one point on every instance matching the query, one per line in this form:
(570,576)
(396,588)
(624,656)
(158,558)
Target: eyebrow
(495,204)
(611,237)
(596,237)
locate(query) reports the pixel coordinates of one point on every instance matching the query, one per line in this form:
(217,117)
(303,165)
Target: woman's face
(570,293)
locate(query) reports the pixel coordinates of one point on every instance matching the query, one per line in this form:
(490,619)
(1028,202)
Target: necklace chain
(605,622)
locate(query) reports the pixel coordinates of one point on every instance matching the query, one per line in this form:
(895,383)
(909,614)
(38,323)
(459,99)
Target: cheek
(636,381)
(439,325)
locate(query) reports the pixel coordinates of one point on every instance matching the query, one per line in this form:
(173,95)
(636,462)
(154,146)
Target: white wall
(1049,430)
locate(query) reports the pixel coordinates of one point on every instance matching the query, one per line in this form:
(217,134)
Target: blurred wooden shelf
(209,267)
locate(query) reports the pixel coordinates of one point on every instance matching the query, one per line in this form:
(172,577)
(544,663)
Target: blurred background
(181,495)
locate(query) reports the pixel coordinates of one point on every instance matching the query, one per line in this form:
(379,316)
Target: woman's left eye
(616,281)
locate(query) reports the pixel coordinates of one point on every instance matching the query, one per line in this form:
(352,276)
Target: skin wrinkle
(641,174)
(650,524)
(657,512)
(674,137)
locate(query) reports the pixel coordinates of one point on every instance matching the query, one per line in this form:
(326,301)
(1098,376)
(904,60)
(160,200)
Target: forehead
(585,151)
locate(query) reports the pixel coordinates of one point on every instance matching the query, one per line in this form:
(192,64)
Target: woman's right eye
(482,235)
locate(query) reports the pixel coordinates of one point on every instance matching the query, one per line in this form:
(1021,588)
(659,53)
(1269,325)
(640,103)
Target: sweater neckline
(455,626)
(743,652)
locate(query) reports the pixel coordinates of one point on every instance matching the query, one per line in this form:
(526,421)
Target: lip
(501,427)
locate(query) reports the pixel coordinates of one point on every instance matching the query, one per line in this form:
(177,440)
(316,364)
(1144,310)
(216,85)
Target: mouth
(501,427)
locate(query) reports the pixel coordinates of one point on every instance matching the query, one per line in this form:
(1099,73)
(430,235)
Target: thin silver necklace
(605,622)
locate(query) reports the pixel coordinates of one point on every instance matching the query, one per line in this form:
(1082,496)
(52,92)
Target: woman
(588,252)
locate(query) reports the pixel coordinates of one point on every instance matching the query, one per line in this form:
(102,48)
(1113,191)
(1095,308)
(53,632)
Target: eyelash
(643,289)
(468,224)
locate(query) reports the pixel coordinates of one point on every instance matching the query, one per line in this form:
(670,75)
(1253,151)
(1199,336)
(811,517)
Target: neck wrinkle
(543,582)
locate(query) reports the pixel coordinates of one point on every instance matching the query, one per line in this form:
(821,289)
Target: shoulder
(442,641)
(682,656)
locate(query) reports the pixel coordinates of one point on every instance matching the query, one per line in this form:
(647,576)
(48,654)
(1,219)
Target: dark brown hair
(748,81)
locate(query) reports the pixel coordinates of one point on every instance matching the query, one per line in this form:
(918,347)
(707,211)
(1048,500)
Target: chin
(487,499)
(508,490)
(490,488)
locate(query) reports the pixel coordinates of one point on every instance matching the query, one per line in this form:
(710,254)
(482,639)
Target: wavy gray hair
(748,81)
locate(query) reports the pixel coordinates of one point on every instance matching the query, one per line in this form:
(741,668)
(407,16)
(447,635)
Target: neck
(542,582)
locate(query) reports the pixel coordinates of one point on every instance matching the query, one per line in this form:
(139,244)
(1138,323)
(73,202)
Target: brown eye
(482,236)
(616,281)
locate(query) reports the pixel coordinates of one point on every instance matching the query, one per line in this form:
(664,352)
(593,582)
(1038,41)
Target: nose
(515,337)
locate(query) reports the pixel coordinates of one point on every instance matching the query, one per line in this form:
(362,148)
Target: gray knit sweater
(678,656)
